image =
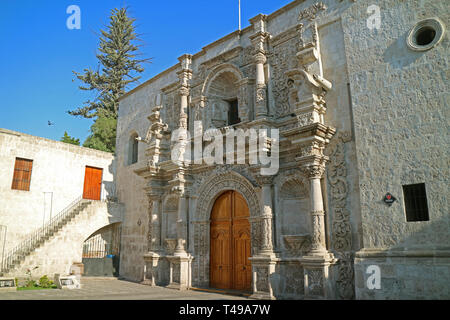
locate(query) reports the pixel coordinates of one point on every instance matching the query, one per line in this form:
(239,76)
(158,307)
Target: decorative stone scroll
(295,283)
(311,12)
(341,230)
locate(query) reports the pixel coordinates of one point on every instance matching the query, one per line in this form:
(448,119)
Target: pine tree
(68,139)
(120,67)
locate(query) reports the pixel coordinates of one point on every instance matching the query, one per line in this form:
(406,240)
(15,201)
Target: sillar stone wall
(400,111)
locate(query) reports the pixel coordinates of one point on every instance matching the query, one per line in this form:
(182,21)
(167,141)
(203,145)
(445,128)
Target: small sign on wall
(389,199)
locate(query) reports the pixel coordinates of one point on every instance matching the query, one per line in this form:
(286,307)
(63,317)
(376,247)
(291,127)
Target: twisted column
(266,216)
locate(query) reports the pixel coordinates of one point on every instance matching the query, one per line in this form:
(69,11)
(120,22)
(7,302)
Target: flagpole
(239,15)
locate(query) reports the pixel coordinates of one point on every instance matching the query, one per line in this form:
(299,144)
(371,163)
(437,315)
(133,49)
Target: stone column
(263,264)
(259,42)
(185,74)
(155,225)
(318,246)
(317,262)
(180,262)
(266,222)
(184,93)
(151,258)
(261,94)
(181,224)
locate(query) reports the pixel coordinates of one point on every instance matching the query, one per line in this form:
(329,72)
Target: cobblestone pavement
(114,289)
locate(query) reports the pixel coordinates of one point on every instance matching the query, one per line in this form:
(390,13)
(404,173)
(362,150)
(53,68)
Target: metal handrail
(29,244)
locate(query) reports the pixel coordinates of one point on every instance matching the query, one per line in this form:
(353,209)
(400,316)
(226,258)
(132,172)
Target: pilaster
(264,263)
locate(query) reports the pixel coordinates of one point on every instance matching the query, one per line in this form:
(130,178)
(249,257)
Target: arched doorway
(230,243)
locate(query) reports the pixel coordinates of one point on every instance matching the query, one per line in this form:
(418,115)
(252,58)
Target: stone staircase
(15,257)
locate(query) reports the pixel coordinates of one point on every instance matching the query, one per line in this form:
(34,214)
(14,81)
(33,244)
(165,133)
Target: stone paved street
(114,289)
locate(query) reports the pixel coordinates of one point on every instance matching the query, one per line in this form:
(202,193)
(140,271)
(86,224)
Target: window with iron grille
(416,205)
(22,174)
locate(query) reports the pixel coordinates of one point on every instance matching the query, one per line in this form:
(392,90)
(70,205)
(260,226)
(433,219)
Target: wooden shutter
(22,174)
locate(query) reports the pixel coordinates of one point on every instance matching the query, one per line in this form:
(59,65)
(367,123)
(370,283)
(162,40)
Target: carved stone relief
(281,60)
(315,282)
(341,231)
(295,281)
(262,279)
(297,245)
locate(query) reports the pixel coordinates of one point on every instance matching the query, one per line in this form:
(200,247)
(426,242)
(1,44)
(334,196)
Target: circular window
(426,34)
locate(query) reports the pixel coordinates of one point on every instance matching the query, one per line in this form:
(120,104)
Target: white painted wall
(57,167)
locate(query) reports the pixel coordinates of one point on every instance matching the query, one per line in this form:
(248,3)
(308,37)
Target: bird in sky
(50,123)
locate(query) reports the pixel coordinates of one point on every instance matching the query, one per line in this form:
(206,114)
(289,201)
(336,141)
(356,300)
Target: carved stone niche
(297,245)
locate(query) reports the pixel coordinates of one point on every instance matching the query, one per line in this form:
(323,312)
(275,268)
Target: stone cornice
(397,252)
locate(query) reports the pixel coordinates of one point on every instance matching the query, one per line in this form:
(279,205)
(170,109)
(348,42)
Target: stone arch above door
(209,190)
(218,72)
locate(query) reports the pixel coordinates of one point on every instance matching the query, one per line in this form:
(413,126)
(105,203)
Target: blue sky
(39,52)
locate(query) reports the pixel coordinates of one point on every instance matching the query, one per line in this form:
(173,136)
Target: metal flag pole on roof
(239,15)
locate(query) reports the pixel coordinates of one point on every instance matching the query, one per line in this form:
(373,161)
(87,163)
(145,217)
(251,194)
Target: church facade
(353,98)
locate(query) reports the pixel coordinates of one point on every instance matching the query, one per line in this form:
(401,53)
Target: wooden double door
(230,247)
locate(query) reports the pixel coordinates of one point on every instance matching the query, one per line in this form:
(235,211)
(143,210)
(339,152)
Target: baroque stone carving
(311,12)
(201,245)
(295,282)
(317,236)
(297,245)
(283,59)
(314,171)
(341,230)
(262,279)
(315,282)
(305,119)
(293,188)
(260,94)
